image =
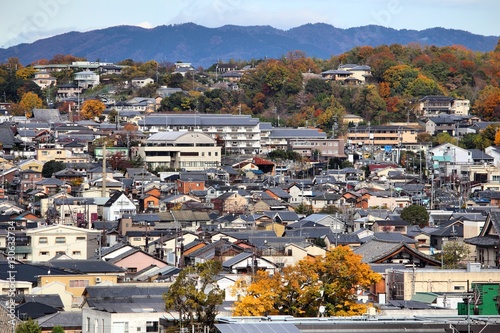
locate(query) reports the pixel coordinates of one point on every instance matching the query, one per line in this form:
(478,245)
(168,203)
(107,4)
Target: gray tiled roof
(297,133)
(64,319)
(198,120)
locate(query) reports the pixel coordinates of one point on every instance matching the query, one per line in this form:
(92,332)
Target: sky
(24,21)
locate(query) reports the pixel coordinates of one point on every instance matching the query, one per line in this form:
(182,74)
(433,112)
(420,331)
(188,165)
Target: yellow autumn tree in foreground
(328,283)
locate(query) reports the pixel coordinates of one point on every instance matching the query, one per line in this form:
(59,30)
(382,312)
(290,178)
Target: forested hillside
(288,89)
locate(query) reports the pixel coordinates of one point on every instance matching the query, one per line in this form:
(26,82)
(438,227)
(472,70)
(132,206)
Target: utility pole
(103,186)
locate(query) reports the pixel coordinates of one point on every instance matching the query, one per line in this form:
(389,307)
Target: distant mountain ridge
(203,46)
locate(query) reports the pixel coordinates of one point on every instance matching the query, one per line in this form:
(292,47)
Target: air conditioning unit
(97,279)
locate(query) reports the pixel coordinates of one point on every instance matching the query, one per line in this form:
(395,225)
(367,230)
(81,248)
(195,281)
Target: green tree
(28,326)
(415,214)
(454,254)
(368,103)
(444,137)
(195,294)
(304,209)
(51,167)
(57,329)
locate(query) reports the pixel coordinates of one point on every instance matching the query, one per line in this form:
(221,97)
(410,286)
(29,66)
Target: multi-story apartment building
(279,138)
(61,154)
(324,148)
(47,242)
(180,150)
(382,136)
(238,134)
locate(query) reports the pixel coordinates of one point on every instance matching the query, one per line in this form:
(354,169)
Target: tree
(51,167)
(28,326)
(57,329)
(304,209)
(28,102)
(195,294)
(92,109)
(453,254)
(415,214)
(487,106)
(300,290)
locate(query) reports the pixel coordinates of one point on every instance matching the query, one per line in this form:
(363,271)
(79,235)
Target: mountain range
(204,46)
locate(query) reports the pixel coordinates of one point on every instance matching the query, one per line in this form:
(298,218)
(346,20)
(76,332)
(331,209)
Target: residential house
(248,263)
(230,202)
(434,105)
(136,260)
(44,80)
(117,206)
(140,82)
(70,90)
(487,243)
(75,211)
(49,241)
(86,79)
(124,308)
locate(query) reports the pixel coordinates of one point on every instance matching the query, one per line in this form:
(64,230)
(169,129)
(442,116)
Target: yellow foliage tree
(28,102)
(301,290)
(25,73)
(497,138)
(92,109)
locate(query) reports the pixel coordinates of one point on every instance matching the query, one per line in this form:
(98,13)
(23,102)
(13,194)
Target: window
(151,326)
(80,238)
(458,288)
(77,253)
(42,240)
(44,253)
(60,252)
(87,324)
(60,240)
(78,283)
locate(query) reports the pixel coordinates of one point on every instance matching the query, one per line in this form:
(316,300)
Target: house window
(77,253)
(87,324)
(80,238)
(132,270)
(60,253)
(44,253)
(137,239)
(458,288)
(60,240)
(42,240)
(151,326)
(78,283)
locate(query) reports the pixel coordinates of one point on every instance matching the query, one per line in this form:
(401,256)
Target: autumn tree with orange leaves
(92,109)
(300,290)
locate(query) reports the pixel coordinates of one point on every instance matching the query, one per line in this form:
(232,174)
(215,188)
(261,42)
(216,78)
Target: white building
(57,239)
(240,134)
(181,150)
(118,205)
(86,79)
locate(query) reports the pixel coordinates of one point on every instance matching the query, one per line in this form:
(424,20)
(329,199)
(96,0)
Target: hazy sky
(24,21)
